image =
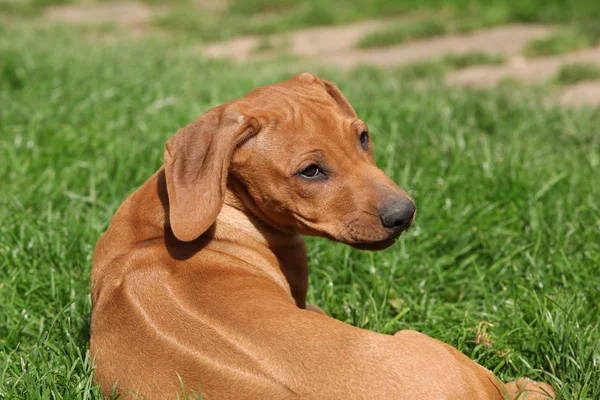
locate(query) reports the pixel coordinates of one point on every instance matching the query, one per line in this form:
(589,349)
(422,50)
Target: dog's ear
(339,98)
(197,160)
(331,89)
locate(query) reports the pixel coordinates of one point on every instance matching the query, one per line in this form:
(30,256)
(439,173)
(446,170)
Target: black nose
(398,215)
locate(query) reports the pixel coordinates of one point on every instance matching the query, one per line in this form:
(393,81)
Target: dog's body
(201,279)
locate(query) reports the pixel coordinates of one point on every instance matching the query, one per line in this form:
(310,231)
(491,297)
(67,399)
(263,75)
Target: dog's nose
(398,215)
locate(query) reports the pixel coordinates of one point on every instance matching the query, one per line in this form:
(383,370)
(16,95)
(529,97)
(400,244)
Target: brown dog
(200,280)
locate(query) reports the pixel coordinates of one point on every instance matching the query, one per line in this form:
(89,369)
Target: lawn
(207,21)
(503,261)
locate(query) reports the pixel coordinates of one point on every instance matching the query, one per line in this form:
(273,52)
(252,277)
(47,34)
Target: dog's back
(200,281)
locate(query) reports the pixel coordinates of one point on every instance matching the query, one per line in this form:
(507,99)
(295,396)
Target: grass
(502,262)
(436,69)
(28,8)
(573,73)
(268,44)
(266,17)
(457,61)
(402,33)
(438,24)
(432,18)
(436,17)
(558,43)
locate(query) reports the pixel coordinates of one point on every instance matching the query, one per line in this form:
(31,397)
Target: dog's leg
(519,389)
(534,390)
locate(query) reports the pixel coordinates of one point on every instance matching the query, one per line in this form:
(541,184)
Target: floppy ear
(339,98)
(331,89)
(197,160)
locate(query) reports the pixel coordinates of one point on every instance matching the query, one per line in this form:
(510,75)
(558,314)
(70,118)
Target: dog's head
(297,156)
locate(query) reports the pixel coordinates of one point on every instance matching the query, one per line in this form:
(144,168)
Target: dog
(199,283)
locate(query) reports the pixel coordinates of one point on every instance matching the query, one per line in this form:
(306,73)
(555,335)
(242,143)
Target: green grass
(269,44)
(438,24)
(436,69)
(402,33)
(433,17)
(547,11)
(457,61)
(507,232)
(558,43)
(573,73)
(240,17)
(28,8)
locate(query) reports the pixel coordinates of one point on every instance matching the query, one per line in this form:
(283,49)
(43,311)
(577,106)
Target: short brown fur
(202,274)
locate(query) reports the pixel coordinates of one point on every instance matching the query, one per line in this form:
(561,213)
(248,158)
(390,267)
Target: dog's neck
(143,220)
(240,217)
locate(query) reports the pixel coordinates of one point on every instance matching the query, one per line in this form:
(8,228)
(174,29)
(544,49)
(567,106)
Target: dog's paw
(534,390)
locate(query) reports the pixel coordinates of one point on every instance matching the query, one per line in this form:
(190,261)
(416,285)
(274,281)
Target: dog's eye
(312,171)
(364,140)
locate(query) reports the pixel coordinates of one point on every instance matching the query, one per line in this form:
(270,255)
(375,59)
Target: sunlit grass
(507,232)
(438,68)
(558,43)
(573,73)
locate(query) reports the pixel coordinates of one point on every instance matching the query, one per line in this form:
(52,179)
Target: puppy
(200,281)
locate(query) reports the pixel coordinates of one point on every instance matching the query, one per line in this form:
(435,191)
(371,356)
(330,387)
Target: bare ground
(129,15)
(313,42)
(506,40)
(533,70)
(586,93)
(336,46)
(212,5)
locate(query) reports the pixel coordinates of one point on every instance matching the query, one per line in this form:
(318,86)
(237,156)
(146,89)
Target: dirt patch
(507,40)
(129,15)
(336,45)
(312,42)
(585,93)
(534,70)
(212,5)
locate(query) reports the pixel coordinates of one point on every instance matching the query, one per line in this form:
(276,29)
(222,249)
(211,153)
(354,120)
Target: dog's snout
(398,215)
